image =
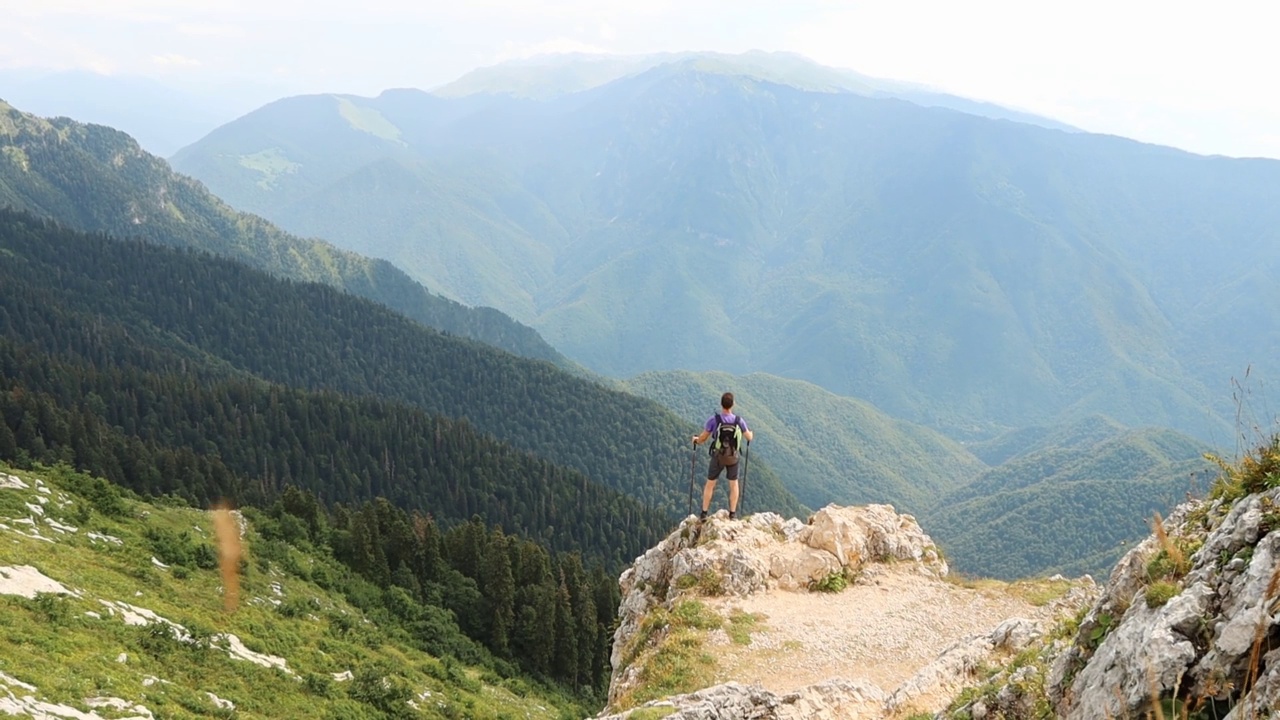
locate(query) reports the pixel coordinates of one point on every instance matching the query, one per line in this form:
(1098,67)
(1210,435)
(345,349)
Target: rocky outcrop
(1211,641)
(958,663)
(1189,619)
(825,701)
(759,553)
(764,556)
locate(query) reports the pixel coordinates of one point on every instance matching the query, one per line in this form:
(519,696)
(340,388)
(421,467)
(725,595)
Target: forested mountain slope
(1033,501)
(312,337)
(97,179)
(1070,502)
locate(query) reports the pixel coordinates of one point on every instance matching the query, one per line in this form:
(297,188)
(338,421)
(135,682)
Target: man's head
(726,401)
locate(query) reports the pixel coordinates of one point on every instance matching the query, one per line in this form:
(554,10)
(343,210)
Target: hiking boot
(732,514)
(703,516)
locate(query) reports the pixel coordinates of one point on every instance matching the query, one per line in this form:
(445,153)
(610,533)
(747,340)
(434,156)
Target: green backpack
(728,438)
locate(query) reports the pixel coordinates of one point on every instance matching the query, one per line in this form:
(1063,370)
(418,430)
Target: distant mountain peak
(544,77)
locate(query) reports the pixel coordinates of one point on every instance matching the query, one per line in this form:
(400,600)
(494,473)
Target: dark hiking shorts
(714,469)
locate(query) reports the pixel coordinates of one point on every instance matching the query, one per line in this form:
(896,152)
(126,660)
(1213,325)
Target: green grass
(835,581)
(1160,592)
(270,163)
(1257,471)
(670,648)
(51,642)
(741,626)
(1035,591)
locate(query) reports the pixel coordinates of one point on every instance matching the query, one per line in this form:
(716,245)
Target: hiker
(725,429)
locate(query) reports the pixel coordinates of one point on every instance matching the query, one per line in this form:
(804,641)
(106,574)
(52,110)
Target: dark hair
(726,401)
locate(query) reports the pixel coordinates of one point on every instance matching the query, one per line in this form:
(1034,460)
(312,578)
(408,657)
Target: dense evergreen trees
(460,483)
(167,433)
(551,627)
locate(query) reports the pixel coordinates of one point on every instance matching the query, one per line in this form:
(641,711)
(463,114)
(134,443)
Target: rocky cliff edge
(848,615)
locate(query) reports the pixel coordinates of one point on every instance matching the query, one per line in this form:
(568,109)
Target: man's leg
(731,474)
(713,472)
(707,491)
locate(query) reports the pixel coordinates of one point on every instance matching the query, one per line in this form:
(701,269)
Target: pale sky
(1201,76)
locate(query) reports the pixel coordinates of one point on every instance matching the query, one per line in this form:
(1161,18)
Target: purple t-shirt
(728,419)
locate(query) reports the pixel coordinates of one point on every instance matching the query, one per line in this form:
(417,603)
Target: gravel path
(883,629)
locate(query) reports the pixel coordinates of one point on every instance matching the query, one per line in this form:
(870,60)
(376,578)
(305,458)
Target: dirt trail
(882,629)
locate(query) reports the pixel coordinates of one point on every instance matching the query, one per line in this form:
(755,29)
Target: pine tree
(607,597)
(564,664)
(499,591)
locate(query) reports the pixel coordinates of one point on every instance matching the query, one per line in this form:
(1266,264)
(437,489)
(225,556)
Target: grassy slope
(51,643)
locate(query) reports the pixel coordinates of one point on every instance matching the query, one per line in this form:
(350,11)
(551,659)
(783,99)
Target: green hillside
(123,599)
(825,448)
(1069,502)
(178,313)
(964,273)
(1076,527)
(98,179)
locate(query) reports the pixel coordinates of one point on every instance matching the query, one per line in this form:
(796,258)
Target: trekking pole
(742,489)
(693,468)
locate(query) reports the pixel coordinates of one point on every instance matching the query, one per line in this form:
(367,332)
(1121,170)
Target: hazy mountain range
(968,273)
(547,76)
(824,447)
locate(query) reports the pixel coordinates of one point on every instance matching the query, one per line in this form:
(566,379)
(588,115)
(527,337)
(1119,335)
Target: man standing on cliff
(727,431)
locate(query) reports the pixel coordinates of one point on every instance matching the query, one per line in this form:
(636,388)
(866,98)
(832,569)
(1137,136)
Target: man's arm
(699,439)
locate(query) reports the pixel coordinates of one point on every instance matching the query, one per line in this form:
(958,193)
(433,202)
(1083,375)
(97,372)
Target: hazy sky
(1199,76)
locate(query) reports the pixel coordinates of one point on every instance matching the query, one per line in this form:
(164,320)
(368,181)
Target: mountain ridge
(138,194)
(547,76)
(1070,502)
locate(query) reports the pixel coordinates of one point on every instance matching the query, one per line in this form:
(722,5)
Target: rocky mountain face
(1188,622)
(692,641)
